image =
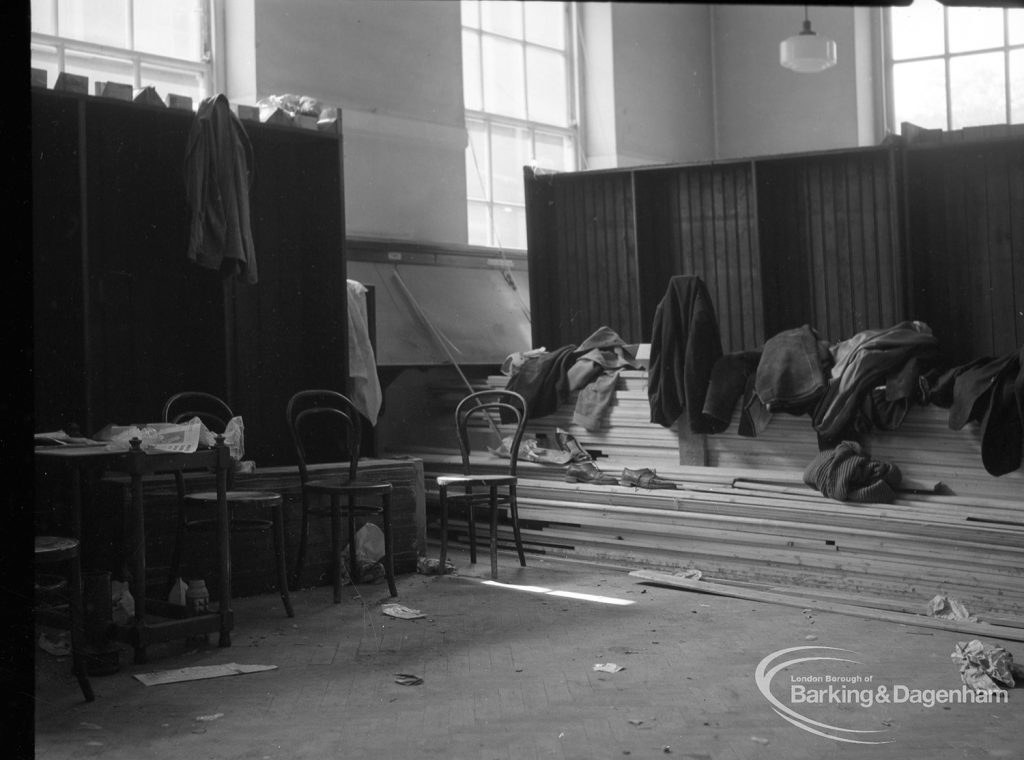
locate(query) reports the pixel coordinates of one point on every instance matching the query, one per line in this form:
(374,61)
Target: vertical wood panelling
(587,278)
(843,236)
(699,220)
(841,240)
(966,239)
(1015,188)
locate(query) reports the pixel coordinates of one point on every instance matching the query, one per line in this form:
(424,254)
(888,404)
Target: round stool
(57,549)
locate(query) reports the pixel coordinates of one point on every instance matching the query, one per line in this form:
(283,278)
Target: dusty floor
(509,673)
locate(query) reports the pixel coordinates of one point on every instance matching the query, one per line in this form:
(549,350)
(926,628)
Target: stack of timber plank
(744,516)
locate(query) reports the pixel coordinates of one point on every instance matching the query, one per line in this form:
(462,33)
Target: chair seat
(255,498)
(348,488)
(55,548)
(476,480)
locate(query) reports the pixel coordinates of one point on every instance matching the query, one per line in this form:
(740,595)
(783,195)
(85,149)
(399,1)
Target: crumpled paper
(986,668)
(432,566)
(530,450)
(947,608)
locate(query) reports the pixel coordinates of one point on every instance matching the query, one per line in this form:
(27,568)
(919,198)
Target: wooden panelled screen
(585,272)
(842,240)
(966,244)
(703,221)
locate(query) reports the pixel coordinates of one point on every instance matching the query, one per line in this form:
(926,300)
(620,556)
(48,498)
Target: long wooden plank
(1006,633)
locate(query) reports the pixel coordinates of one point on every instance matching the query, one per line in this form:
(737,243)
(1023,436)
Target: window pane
(43,20)
(99,68)
(478,224)
(510,226)
(104,22)
(919,93)
(1015,21)
(545,24)
(509,154)
(471,13)
(977,85)
(975,29)
(1017,87)
(917,30)
(502,17)
(476,161)
(553,152)
(504,90)
(546,87)
(474,98)
(168,81)
(171,29)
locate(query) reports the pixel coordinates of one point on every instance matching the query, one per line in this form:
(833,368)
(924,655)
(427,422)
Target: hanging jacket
(218,165)
(685,344)
(990,391)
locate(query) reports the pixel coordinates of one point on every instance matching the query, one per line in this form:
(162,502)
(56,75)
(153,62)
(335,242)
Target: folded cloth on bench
(846,474)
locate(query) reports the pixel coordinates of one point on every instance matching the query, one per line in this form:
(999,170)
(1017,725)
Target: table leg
(224,536)
(138,579)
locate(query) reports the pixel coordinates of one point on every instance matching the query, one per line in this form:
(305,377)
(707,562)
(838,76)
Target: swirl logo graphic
(764,674)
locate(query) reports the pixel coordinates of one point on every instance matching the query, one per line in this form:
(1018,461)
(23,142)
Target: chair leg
(494,531)
(300,556)
(336,547)
(513,508)
(471,517)
(353,560)
(279,555)
(389,544)
(78,630)
(443,492)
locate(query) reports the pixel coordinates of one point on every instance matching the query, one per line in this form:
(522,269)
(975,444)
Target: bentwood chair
(52,550)
(458,489)
(250,510)
(325,427)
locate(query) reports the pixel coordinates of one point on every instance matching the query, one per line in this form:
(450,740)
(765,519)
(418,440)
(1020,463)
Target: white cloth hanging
(364,386)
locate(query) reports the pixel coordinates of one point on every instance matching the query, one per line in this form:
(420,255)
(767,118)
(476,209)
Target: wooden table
(174,620)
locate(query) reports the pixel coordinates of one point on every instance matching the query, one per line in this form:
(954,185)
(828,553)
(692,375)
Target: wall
(647,84)
(762,108)
(664,83)
(394,68)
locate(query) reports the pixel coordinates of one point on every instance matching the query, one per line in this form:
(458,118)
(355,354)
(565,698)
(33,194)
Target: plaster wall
(764,109)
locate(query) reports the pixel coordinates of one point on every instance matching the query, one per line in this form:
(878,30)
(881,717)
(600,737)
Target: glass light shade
(807,52)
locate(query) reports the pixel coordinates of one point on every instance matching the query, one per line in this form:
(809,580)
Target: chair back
(493,407)
(212,411)
(325,427)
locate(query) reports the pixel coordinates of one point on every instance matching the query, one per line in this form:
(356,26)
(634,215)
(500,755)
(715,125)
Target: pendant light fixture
(807,52)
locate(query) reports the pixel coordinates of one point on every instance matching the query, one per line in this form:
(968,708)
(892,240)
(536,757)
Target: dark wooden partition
(123,319)
(702,220)
(583,229)
(966,244)
(830,247)
(842,240)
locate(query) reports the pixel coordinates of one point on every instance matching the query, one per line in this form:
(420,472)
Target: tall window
(165,45)
(955,67)
(518,73)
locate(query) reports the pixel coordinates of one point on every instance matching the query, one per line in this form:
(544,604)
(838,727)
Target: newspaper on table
(177,438)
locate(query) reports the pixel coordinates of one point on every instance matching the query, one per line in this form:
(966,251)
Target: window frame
(483,164)
(204,69)
(946,56)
